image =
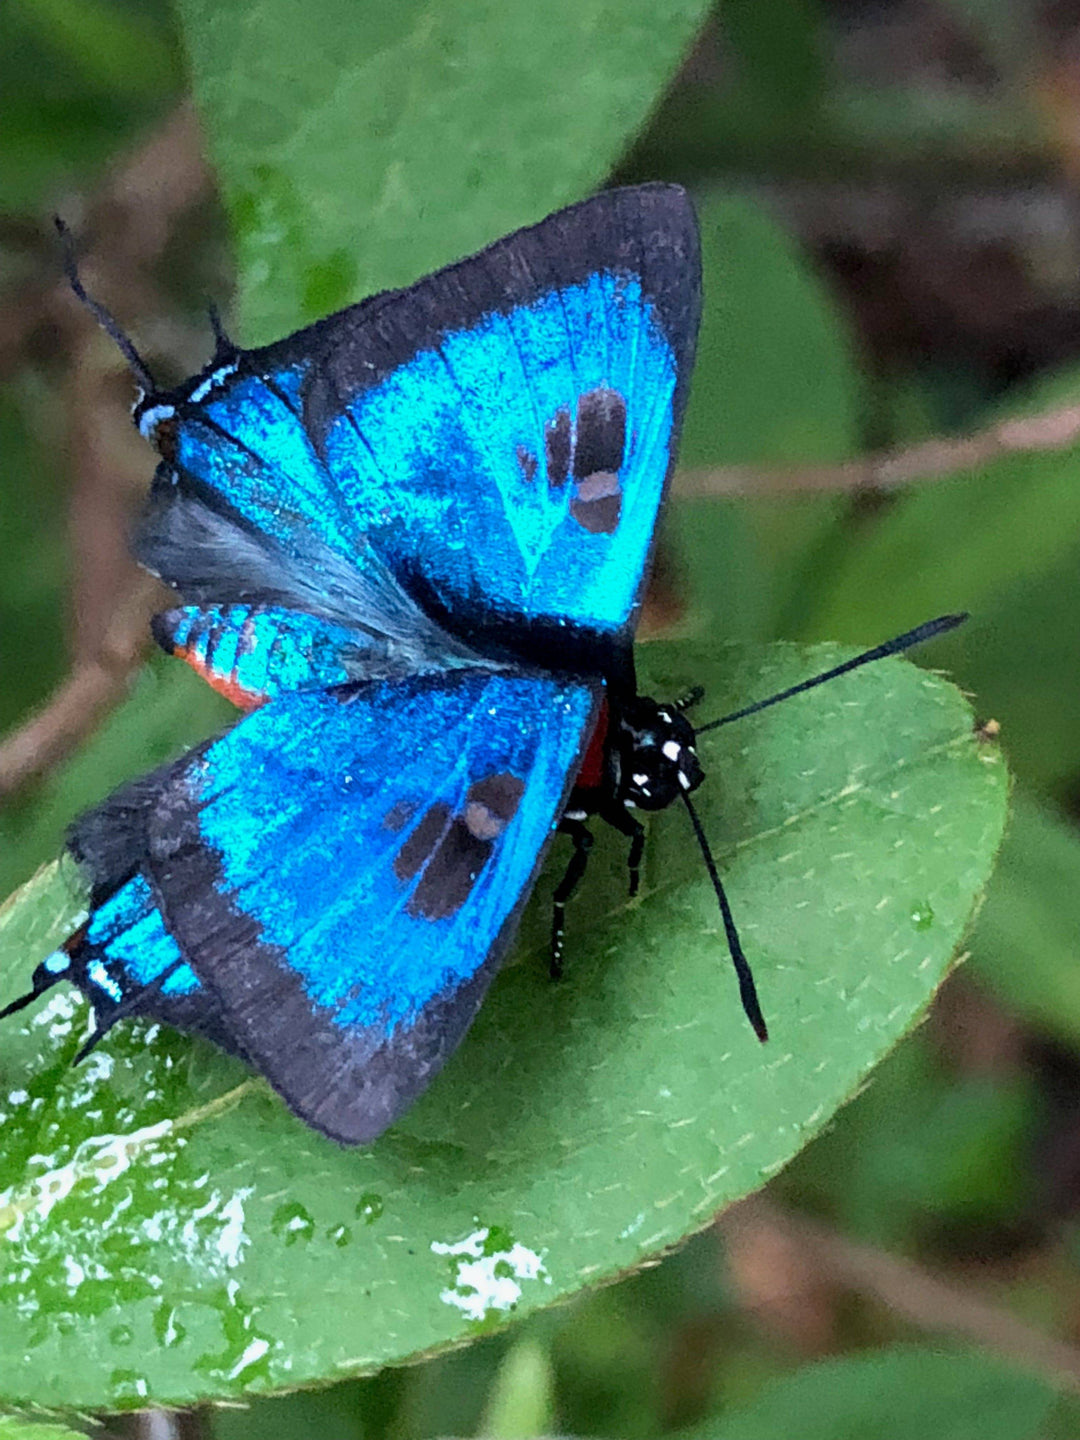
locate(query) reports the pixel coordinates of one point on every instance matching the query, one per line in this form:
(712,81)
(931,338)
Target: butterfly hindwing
(497,437)
(122,957)
(250,653)
(343,871)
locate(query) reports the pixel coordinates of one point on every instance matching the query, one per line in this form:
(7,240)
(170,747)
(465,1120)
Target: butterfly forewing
(498,436)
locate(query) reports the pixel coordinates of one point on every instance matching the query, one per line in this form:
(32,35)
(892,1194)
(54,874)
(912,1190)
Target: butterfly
(411,542)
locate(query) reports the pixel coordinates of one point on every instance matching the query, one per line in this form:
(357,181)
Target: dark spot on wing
(399,815)
(421,844)
(597,504)
(491,804)
(456,855)
(450,874)
(557,448)
(214,632)
(600,442)
(527,463)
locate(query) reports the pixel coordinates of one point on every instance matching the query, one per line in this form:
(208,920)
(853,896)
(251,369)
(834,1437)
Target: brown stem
(941,1306)
(130,218)
(128,223)
(941,459)
(85,697)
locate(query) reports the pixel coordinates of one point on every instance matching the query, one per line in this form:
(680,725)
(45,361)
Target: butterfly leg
(619,819)
(581,835)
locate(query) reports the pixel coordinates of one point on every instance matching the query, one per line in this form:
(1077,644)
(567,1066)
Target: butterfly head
(154,412)
(656,755)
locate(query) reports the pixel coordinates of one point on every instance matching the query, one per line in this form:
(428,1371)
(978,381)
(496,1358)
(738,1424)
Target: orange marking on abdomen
(225,685)
(591,774)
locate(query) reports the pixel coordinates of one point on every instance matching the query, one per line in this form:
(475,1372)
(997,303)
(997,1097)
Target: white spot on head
(665,715)
(640,781)
(684,781)
(212,381)
(672,749)
(153,418)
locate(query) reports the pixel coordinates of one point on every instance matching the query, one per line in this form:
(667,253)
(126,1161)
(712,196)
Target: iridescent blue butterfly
(412,541)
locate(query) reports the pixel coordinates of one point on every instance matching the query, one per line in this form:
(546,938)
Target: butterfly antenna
(23,1000)
(747,988)
(926,631)
(130,1005)
(138,366)
(223,346)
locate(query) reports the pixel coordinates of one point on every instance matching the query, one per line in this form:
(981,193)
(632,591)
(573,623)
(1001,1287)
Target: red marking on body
(591,774)
(226,685)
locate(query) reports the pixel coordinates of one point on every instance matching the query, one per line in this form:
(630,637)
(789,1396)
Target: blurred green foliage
(935,1160)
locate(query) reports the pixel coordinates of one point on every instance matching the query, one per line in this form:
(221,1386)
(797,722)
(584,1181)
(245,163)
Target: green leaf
(15,1429)
(111,47)
(410,133)
(775,382)
(169,709)
(904,1393)
(169,1232)
(1018,516)
(1024,943)
(1000,541)
(522,1402)
(921,1149)
(31,580)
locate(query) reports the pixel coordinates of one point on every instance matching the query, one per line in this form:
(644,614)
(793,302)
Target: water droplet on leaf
(922,917)
(292,1222)
(369,1207)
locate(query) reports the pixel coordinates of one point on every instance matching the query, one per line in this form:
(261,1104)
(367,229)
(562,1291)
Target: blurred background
(883,426)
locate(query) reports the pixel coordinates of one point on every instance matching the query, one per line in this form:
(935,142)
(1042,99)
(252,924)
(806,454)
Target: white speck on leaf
(484,1282)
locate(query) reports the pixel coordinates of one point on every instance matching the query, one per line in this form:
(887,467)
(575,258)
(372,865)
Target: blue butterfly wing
(123,957)
(496,438)
(343,872)
(252,653)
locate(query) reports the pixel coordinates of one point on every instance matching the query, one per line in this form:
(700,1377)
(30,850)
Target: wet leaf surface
(169,1232)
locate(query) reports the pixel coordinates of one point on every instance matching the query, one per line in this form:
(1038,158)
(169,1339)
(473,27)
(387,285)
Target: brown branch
(931,460)
(128,221)
(86,696)
(131,218)
(941,1306)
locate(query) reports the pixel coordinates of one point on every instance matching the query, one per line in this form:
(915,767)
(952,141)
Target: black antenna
(747,988)
(138,366)
(24,1000)
(922,632)
(44,981)
(223,346)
